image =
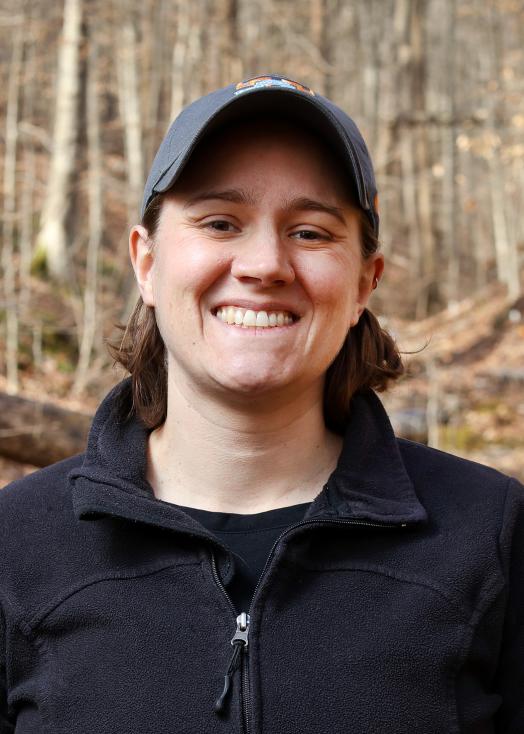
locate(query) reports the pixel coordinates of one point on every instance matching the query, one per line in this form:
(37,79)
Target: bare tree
(52,237)
(8,219)
(449,206)
(505,246)
(28,180)
(95,223)
(179,59)
(129,100)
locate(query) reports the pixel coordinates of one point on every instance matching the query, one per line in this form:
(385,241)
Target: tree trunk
(129,97)
(155,26)
(28,189)
(95,222)
(8,229)
(422,159)
(52,238)
(179,60)
(505,249)
(450,191)
(505,245)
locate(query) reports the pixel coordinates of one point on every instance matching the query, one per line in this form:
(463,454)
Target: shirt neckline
(234,522)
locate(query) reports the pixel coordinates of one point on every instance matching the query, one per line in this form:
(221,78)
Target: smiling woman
(296,194)
(245,545)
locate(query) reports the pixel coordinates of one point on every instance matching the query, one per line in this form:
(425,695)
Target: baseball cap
(273,95)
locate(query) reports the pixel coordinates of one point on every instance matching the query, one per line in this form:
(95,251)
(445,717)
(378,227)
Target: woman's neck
(245,458)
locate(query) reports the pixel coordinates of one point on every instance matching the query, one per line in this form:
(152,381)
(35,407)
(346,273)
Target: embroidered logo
(261,82)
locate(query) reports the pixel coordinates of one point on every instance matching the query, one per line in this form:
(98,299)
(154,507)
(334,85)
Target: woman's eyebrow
(238,196)
(305,204)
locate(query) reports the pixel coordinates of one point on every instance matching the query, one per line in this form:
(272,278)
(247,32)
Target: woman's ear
(370,274)
(142,258)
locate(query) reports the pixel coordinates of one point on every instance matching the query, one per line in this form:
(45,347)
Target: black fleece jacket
(395,606)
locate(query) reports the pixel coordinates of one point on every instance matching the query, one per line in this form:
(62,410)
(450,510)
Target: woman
(245,545)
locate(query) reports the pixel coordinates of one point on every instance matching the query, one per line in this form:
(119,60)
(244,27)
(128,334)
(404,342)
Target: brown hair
(369,357)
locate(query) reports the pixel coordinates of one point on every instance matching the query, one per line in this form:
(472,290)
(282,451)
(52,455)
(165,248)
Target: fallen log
(40,433)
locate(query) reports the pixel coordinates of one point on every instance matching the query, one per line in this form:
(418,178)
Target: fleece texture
(396,604)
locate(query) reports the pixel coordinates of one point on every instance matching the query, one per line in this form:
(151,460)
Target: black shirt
(250,538)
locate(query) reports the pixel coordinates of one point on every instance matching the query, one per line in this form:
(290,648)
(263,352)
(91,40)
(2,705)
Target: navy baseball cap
(274,95)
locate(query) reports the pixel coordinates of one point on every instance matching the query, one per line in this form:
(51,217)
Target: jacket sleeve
(510,674)
(6,726)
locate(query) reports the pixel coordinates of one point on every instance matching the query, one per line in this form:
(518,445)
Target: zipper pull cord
(239,641)
(219,704)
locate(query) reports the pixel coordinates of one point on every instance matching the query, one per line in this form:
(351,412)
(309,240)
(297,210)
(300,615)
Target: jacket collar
(370,482)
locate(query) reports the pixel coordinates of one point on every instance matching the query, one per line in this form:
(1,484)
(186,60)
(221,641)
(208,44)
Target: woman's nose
(263,259)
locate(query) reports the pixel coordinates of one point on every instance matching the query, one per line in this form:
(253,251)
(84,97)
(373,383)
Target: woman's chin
(252,382)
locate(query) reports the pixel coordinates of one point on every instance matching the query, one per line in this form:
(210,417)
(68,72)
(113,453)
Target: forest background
(88,89)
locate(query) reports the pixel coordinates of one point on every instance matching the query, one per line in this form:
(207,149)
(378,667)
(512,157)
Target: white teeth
(249,317)
(262,319)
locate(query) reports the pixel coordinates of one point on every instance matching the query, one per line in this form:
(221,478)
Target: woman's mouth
(249,318)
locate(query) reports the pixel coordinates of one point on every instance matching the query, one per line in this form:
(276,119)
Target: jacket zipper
(240,641)
(240,637)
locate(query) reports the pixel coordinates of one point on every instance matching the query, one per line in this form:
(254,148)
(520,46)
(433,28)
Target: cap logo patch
(261,82)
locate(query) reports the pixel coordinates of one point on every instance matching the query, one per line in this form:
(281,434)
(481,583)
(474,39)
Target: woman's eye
(310,234)
(221,225)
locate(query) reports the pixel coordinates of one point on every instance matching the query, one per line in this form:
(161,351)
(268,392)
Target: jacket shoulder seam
(49,606)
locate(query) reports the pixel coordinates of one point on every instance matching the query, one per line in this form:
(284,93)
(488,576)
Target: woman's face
(255,272)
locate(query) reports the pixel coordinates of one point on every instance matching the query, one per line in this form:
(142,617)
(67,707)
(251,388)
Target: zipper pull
(242,630)
(239,641)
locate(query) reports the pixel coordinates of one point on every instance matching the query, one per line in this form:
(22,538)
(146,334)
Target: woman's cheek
(202,264)
(327,280)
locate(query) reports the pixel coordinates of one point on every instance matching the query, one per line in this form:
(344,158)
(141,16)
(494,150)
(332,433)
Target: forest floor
(463,391)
